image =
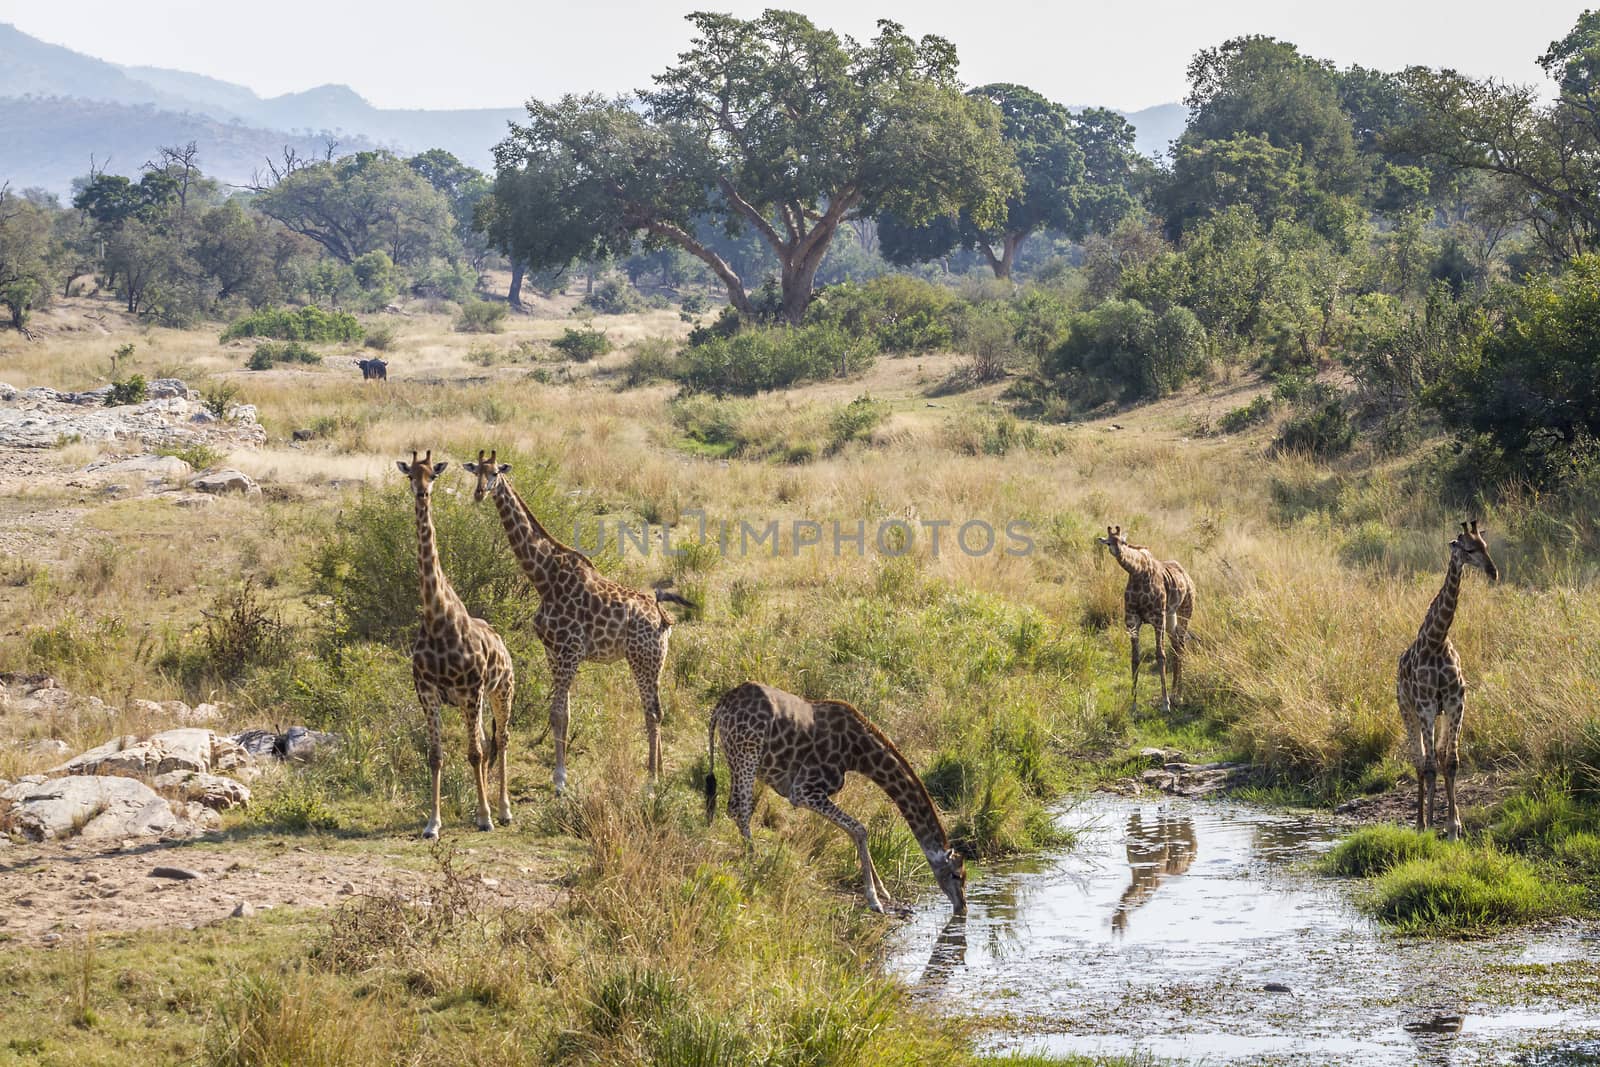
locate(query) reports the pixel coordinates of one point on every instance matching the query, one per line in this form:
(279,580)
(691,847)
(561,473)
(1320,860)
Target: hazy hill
(64,105)
(49,140)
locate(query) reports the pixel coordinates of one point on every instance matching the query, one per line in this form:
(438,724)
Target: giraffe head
(422,472)
(488,472)
(951,871)
(1469,549)
(1113,540)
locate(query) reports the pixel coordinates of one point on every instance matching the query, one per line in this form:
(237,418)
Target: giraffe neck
(536,550)
(1136,561)
(1442,612)
(441,606)
(883,763)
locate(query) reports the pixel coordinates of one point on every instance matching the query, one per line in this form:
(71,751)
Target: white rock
(226,480)
(93,807)
(187,749)
(242,413)
(214,791)
(150,468)
(162,388)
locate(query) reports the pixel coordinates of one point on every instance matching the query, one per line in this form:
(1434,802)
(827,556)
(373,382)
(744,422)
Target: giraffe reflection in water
(1157,848)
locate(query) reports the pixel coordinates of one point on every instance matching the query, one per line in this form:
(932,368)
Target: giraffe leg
(805,796)
(430,711)
(742,795)
(1180,641)
(1133,637)
(1429,779)
(479,759)
(501,700)
(647,674)
(1450,756)
(1411,720)
(1161,665)
(563,670)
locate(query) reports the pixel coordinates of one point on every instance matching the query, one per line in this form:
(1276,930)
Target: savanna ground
(610,925)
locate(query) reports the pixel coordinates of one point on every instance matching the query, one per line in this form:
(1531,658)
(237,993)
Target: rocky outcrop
(215,791)
(190,749)
(226,480)
(40,418)
(95,807)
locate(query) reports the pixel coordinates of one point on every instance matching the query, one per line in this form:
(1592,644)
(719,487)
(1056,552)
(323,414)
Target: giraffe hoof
(485,825)
(505,817)
(431,833)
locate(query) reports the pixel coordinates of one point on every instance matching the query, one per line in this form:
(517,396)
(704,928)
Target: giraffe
(456,659)
(803,748)
(583,615)
(1430,687)
(1159,592)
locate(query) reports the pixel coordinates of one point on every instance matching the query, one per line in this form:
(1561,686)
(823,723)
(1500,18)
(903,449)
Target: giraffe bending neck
(1135,560)
(1442,612)
(441,607)
(888,769)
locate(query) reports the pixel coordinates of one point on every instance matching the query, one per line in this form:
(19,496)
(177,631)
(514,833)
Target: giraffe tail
(711,771)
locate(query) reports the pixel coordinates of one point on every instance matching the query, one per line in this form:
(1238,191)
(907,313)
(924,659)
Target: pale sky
(409,53)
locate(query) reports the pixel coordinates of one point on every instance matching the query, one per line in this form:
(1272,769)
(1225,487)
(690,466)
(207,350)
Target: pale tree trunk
(1002,264)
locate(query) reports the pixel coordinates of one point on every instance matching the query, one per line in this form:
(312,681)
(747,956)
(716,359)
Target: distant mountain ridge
(65,105)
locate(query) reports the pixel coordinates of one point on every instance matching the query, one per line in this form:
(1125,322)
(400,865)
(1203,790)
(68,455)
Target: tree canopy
(771,124)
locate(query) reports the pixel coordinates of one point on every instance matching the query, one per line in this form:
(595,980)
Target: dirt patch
(1399,805)
(48,892)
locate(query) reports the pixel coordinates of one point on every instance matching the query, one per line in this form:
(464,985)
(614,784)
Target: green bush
(614,296)
(1124,351)
(1321,425)
(269,353)
(856,420)
(131,390)
(694,304)
(761,359)
(367,565)
(481,316)
(1257,411)
(649,360)
(900,313)
(380,337)
(299,324)
(581,346)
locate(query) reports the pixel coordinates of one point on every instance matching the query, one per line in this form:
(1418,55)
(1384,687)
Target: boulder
(242,413)
(213,790)
(8,393)
(297,743)
(202,418)
(226,480)
(92,807)
(164,388)
(187,749)
(176,711)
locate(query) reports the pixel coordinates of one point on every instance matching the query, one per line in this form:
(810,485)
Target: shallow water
(1163,929)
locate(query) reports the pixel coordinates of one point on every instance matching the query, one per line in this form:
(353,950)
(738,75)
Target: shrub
(900,313)
(856,420)
(219,397)
(380,337)
(581,346)
(765,358)
(614,296)
(694,304)
(1321,425)
(1257,411)
(481,316)
(268,354)
(131,390)
(649,360)
(300,324)
(1122,350)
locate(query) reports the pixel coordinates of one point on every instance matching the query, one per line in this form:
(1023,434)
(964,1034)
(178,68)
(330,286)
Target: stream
(1193,931)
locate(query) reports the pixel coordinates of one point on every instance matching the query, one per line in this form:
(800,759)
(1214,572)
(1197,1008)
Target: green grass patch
(1463,889)
(1374,850)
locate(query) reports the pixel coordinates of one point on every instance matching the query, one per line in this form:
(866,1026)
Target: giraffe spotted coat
(803,749)
(1160,593)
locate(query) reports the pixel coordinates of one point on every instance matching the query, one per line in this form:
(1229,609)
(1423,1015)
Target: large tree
(367,202)
(24,244)
(1549,152)
(770,124)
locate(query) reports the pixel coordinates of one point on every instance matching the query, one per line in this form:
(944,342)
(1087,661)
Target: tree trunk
(1002,264)
(514,295)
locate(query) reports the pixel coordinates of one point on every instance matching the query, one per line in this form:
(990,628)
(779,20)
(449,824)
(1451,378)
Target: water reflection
(949,952)
(1433,1015)
(1158,848)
